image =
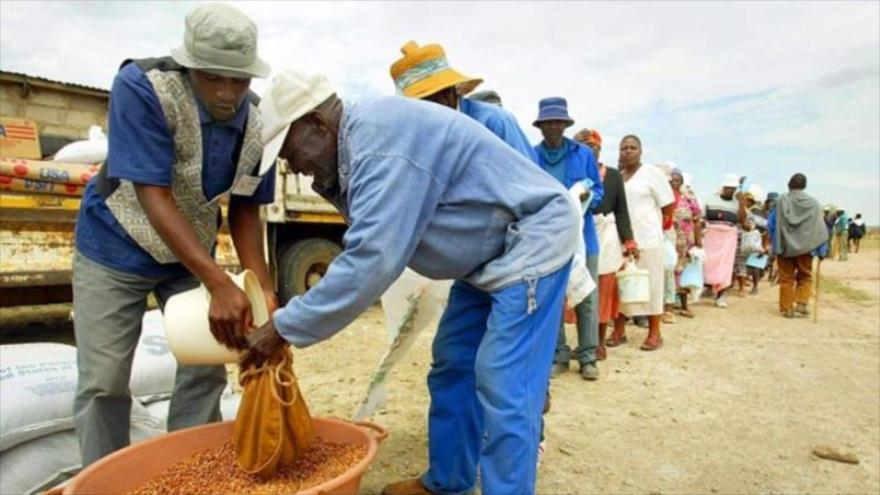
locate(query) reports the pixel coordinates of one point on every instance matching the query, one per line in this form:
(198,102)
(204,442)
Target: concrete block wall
(58,112)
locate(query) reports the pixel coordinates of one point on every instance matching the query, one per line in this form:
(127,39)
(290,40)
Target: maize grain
(214,471)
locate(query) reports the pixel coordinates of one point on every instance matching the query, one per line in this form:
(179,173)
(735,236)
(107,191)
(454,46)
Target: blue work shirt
(141,149)
(501,122)
(580,164)
(427,187)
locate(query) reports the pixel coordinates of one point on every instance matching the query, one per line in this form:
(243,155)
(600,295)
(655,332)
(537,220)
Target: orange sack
(273,426)
(17,184)
(47,171)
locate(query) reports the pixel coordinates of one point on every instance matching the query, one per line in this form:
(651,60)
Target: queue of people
(429,179)
(844,233)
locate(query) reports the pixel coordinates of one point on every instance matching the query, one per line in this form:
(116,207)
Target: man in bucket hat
(420,187)
(571,162)
(183,134)
(423,72)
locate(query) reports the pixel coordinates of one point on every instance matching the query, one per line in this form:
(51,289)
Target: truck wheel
(302,264)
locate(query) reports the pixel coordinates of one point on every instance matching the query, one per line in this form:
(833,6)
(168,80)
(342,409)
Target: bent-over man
(427,187)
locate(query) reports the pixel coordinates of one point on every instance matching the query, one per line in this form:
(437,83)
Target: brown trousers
(795,280)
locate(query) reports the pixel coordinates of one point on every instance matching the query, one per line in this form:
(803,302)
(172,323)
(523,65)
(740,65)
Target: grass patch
(840,288)
(870,242)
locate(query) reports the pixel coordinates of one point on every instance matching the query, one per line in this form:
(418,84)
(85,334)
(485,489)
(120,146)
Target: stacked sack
(38,444)
(66,175)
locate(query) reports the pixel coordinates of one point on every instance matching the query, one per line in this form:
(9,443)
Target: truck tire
(302,264)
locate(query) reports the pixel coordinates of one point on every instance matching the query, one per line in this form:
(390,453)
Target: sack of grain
(37,385)
(273,427)
(41,463)
(92,150)
(154,366)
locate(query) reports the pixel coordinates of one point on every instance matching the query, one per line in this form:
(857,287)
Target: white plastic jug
(634,284)
(187,328)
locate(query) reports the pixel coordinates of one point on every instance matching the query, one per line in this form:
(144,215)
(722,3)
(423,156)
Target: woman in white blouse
(649,197)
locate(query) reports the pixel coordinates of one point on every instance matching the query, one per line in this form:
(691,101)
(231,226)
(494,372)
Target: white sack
(154,366)
(90,151)
(411,304)
(41,463)
(37,385)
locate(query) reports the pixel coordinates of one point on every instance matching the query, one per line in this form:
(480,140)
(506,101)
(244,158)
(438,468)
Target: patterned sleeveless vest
(181,113)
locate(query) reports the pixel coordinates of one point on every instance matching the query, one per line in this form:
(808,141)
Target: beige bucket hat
(220,39)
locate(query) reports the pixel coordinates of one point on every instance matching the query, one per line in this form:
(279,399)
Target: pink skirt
(719,242)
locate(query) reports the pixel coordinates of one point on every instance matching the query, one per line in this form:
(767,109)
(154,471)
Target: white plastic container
(187,328)
(634,284)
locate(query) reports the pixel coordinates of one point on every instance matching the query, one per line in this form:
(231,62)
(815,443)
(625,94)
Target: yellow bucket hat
(423,71)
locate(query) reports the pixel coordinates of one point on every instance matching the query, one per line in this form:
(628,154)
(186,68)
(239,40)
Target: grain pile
(214,471)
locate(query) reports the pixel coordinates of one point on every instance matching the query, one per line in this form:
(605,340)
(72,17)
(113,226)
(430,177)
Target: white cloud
(720,86)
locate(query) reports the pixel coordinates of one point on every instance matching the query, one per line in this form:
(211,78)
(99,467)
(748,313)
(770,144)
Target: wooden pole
(816,300)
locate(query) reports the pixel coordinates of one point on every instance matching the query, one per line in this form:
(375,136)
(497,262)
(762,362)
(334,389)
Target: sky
(760,89)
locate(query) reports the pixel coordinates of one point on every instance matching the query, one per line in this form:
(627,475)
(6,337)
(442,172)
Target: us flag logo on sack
(19,138)
(11,131)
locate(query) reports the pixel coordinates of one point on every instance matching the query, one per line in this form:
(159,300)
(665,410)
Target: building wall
(57,112)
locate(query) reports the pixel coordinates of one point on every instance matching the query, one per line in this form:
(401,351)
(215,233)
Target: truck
(303,235)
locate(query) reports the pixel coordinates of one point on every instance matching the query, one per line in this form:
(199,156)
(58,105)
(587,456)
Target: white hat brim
(271,150)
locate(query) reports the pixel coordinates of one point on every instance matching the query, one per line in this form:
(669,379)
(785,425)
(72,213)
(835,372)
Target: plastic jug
(634,284)
(187,328)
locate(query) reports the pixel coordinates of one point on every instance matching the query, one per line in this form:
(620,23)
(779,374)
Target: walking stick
(816,301)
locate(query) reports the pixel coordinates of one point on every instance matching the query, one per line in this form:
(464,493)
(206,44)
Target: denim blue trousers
(587,324)
(488,380)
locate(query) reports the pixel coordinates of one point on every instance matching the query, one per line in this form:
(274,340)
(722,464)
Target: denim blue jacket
(581,164)
(428,187)
(501,122)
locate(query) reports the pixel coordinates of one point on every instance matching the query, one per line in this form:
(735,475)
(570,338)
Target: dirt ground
(734,402)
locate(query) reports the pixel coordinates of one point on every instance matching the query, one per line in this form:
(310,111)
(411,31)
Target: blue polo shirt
(141,149)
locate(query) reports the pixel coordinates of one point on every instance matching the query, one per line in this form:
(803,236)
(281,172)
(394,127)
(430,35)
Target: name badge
(246,185)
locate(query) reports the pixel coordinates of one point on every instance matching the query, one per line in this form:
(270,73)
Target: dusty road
(734,402)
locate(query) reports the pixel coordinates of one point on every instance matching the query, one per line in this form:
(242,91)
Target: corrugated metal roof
(46,81)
